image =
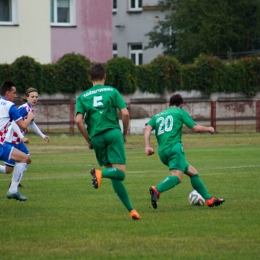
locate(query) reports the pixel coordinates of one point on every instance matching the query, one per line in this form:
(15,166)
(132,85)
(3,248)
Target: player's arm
(147,133)
(125,121)
(81,126)
(203,129)
(37,130)
(19,133)
(193,126)
(23,124)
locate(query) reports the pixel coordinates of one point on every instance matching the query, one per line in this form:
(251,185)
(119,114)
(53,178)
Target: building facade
(45,30)
(132,20)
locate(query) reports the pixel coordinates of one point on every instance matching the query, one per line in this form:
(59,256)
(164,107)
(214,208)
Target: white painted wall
(31,37)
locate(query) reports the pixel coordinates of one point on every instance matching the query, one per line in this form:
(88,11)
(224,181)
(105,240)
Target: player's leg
(112,155)
(174,158)
(108,148)
(6,169)
(196,182)
(200,187)
(14,154)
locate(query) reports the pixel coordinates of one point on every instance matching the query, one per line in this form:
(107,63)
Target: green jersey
(168,126)
(99,107)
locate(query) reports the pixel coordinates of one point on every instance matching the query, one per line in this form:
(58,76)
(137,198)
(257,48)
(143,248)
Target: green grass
(65,218)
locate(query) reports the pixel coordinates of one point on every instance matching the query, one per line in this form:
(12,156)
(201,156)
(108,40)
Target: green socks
(117,176)
(121,192)
(168,183)
(113,173)
(199,186)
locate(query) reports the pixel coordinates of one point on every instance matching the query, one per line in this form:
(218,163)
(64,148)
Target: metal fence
(234,116)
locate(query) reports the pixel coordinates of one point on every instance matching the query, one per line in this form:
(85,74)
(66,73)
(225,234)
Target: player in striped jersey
(14,137)
(9,113)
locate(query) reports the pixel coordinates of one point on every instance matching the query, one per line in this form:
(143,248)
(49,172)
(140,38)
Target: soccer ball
(196,199)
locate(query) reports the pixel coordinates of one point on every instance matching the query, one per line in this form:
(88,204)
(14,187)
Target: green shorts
(109,147)
(174,158)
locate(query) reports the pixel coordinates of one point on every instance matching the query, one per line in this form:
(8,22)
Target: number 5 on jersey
(97,101)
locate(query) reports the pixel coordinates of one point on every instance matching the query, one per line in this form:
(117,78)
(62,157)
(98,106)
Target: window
(114,50)
(63,12)
(135,5)
(114,7)
(8,12)
(136,53)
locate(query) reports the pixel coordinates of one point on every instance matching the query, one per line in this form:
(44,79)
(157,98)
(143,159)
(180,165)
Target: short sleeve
(79,107)
(152,123)
(14,114)
(120,103)
(187,120)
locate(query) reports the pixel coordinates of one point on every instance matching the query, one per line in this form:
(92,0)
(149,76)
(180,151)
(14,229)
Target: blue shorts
(5,151)
(21,147)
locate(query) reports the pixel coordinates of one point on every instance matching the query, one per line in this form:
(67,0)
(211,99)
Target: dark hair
(27,92)
(176,100)
(6,86)
(97,72)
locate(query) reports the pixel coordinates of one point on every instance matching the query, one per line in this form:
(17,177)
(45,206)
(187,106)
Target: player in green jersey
(98,106)
(168,131)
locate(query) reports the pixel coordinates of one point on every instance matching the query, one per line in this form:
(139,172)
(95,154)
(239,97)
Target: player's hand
(125,137)
(211,130)
(46,138)
(149,151)
(90,146)
(25,140)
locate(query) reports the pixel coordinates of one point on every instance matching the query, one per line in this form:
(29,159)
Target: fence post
(257,104)
(72,112)
(213,114)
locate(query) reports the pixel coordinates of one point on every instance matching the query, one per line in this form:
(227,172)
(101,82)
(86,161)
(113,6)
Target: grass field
(65,218)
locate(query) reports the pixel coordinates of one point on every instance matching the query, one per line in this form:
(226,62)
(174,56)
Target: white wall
(32,35)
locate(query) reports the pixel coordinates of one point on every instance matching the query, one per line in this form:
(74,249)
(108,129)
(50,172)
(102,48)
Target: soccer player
(14,139)
(98,106)
(8,113)
(168,131)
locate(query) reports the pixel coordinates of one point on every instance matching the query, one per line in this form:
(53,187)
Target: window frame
(14,20)
(136,53)
(114,50)
(72,7)
(114,10)
(136,8)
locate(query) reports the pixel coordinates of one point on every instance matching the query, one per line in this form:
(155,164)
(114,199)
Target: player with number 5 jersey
(98,108)
(168,131)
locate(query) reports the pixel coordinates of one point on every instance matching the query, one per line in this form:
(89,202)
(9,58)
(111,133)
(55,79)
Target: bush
(162,73)
(210,74)
(27,73)
(5,73)
(71,73)
(122,75)
(50,85)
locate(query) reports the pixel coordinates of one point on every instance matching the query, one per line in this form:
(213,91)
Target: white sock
(19,170)
(2,169)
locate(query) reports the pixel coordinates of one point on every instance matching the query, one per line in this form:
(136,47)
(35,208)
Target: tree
(206,26)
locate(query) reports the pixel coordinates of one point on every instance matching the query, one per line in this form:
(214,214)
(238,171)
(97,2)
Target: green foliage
(50,85)
(207,74)
(250,83)
(190,77)
(207,26)
(27,73)
(161,73)
(72,73)
(122,75)
(5,72)
(210,73)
